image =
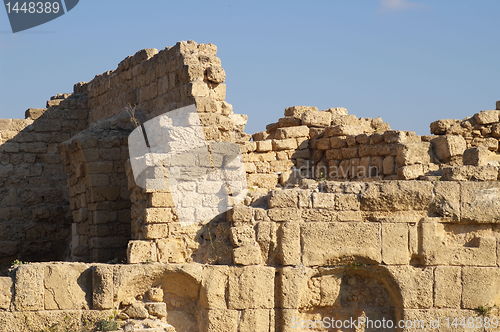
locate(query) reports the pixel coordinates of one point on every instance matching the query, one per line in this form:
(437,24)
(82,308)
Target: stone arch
(168,288)
(351,291)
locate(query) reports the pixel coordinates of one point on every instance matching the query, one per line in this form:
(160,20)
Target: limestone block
(219,92)
(28,288)
(248,254)
(155,231)
(414,153)
(329,215)
(266,237)
(284,144)
(251,287)
(242,235)
(137,310)
(67,286)
(388,165)
(102,287)
(264,146)
(395,245)
(292,282)
(256,320)
(470,173)
(480,202)
(289,250)
(292,132)
(284,198)
(322,143)
(172,251)
(328,243)
(448,146)
(411,172)
(397,196)
(338,142)
(416,285)
(141,252)
(241,214)
(215,74)
(221,320)
(487,117)
(481,287)
(214,285)
(267,181)
(477,156)
(284,214)
(159,215)
(5,292)
(34,113)
(156,309)
(317,118)
(447,286)
(446,200)
(287,319)
(340,202)
(161,200)
(439,247)
(288,121)
(297,111)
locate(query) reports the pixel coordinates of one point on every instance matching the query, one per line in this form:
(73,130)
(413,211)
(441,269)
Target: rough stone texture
(67,286)
(5,292)
(342,217)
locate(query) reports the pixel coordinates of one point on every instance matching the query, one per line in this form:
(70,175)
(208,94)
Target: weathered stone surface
(289,248)
(395,245)
(284,198)
(487,117)
(67,286)
(251,287)
(447,287)
(317,118)
(481,286)
(215,283)
(28,288)
(396,196)
(416,285)
(291,132)
(141,252)
(448,146)
(330,243)
(102,287)
(441,246)
(480,202)
(258,320)
(221,320)
(5,292)
(248,254)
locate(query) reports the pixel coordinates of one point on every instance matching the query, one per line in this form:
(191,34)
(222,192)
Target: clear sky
(408,61)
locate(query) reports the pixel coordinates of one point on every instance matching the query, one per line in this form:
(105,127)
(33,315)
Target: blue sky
(408,61)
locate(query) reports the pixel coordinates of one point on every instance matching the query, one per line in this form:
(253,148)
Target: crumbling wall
(417,238)
(34,214)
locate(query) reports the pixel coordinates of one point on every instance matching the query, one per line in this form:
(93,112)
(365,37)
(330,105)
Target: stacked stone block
(370,245)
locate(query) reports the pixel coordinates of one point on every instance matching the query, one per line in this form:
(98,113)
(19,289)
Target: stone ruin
(343,217)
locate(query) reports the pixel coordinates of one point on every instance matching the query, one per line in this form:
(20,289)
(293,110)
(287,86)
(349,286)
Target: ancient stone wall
(34,219)
(342,217)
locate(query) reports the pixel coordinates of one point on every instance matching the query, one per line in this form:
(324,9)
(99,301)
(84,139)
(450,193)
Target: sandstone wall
(34,219)
(414,236)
